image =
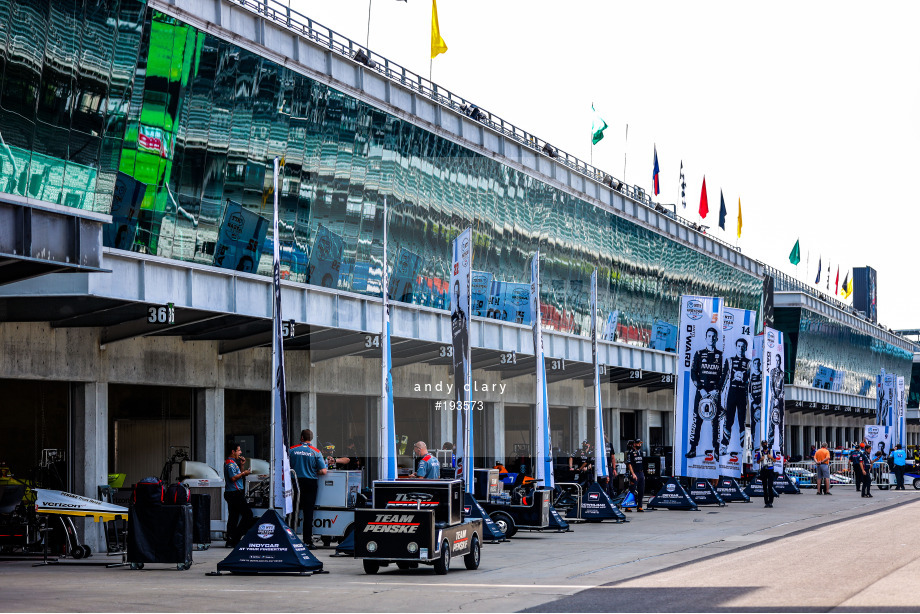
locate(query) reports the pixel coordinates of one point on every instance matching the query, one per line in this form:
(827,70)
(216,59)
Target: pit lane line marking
(540,586)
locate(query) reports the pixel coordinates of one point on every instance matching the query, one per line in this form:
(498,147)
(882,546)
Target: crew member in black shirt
(635,470)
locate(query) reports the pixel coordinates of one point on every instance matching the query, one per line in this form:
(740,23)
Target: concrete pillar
(303,415)
(211,441)
(91,451)
(581,414)
(447,427)
(498,430)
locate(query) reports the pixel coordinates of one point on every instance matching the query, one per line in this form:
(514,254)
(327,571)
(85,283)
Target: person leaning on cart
(308,464)
(240,514)
(428,466)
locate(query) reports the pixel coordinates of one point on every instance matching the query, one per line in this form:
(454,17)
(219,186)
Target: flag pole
(367,41)
(625,145)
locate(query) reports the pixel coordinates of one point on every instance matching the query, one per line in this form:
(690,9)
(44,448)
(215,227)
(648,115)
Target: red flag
(704,200)
(837,282)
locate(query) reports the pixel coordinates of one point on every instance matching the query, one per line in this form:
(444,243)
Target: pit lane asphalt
(710,560)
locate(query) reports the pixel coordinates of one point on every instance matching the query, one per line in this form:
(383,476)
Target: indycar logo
(771,339)
(671,487)
(728,321)
(266,530)
(593,496)
(392,523)
(694,309)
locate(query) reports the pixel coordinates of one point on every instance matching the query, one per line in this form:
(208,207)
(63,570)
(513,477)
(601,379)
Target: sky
(809,112)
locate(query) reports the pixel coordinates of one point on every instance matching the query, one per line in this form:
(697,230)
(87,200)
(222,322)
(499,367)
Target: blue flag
(722,211)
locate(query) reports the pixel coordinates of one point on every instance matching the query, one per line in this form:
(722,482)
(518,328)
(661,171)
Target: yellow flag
(437,43)
(739,217)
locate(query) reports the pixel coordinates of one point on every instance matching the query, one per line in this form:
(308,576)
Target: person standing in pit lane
(865,471)
(635,471)
(308,463)
(767,474)
(240,514)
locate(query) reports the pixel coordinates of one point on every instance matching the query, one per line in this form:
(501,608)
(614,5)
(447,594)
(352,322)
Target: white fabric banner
(282,483)
(460,306)
(737,331)
(880,439)
(600,445)
(542,458)
(700,379)
(755,392)
(773,414)
(387,445)
(901,417)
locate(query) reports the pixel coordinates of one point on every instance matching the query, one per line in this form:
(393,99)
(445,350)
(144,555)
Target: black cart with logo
(415,522)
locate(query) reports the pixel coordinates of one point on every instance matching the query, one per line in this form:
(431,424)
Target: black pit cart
(412,537)
(523,510)
(416,521)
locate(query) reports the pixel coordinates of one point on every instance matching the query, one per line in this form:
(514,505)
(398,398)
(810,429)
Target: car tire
(916,483)
(471,560)
(442,565)
(371,567)
(505,522)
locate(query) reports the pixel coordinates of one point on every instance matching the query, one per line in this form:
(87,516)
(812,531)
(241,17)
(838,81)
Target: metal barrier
(573,490)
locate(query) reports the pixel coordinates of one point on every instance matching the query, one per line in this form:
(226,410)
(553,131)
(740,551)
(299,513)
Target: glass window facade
(816,340)
(202,120)
(67,74)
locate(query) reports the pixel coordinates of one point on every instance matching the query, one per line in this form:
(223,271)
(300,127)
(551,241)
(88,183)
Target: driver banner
(737,331)
(879,439)
(700,379)
(773,410)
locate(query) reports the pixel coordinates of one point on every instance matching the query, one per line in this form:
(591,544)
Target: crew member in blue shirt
(428,466)
(308,464)
(240,514)
(899,456)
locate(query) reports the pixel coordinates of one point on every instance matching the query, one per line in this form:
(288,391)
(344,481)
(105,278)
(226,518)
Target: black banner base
(787,486)
(755,490)
(731,491)
(346,547)
(596,505)
(702,493)
(556,521)
(270,547)
(490,531)
(672,496)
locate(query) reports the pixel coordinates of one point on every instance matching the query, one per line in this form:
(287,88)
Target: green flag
(795,256)
(598,125)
